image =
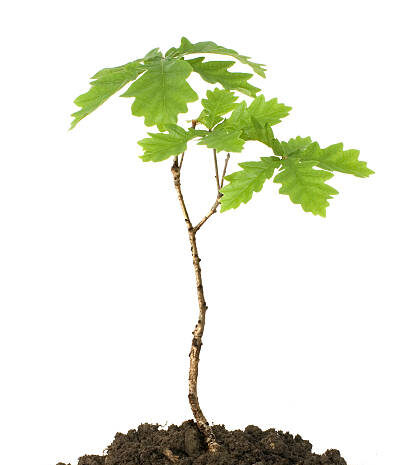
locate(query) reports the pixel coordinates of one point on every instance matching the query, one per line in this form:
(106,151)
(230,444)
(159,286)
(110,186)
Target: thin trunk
(194,354)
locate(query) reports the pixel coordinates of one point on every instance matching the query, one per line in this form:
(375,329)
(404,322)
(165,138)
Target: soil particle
(146,446)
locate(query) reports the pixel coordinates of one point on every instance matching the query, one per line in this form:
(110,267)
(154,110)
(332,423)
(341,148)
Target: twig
(176,178)
(216,168)
(212,211)
(181,160)
(224,170)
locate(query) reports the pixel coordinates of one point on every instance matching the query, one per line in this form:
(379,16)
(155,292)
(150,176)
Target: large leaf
(334,158)
(242,184)
(106,83)
(217,72)
(223,139)
(305,185)
(160,146)
(218,103)
(186,48)
(162,92)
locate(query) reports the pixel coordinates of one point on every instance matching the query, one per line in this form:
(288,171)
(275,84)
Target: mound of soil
(184,445)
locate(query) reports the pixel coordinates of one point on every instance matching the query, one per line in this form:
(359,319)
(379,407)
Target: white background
(305,327)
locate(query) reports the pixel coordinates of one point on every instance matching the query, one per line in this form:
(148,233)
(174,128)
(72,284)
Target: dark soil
(148,445)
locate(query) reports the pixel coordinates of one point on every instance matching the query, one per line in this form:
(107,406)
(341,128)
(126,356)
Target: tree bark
(194,354)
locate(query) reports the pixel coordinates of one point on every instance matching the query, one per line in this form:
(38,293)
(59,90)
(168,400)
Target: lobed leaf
(217,72)
(160,146)
(153,54)
(305,185)
(223,139)
(242,184)
(187,48)
(266,113)
(219,102)
(334,158)
(106,82)
(295,145)
(162,92)
(259,133)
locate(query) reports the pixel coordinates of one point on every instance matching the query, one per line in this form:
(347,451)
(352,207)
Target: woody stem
(194,354)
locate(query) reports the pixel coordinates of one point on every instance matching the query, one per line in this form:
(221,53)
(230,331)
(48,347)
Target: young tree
(161,92)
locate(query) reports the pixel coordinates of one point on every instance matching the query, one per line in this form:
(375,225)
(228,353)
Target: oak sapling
(160,92)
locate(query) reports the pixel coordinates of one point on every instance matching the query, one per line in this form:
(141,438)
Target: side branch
(216,169)
(224,170)
(181,160)
(213,209)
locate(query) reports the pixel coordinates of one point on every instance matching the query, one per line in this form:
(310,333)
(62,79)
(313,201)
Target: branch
(216,168)
(213,209)
(176,179)
(194,122)
(181,161)
(224,170)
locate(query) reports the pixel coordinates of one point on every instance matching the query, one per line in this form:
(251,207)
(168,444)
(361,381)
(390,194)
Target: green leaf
(266,113)
(217,72)
(223,139)
(186,48)
(334,158)
(305,185)
(219,102)
(106,83)
(162,92)
(295,145)
(160,146)
(242,184)
(259,133)
(153,54)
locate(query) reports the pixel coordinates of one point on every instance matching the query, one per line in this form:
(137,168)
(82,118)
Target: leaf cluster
(161,91)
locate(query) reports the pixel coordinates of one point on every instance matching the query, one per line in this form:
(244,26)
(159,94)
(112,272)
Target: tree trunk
(194,354)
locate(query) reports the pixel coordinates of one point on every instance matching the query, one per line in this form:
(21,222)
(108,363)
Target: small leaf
(259,133)
(242,184)
(334,158)
(219,102)
(305,185)
(223,139)
(162,92)
(239,118)
(160,146)
(295,145)
(106,82)
(186,48)
(266,113)
(217,72)
(153,54)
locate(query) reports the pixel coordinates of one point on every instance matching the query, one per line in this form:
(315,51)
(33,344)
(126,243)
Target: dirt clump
(184,445)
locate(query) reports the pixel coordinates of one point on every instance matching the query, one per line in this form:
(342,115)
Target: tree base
(184,445)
